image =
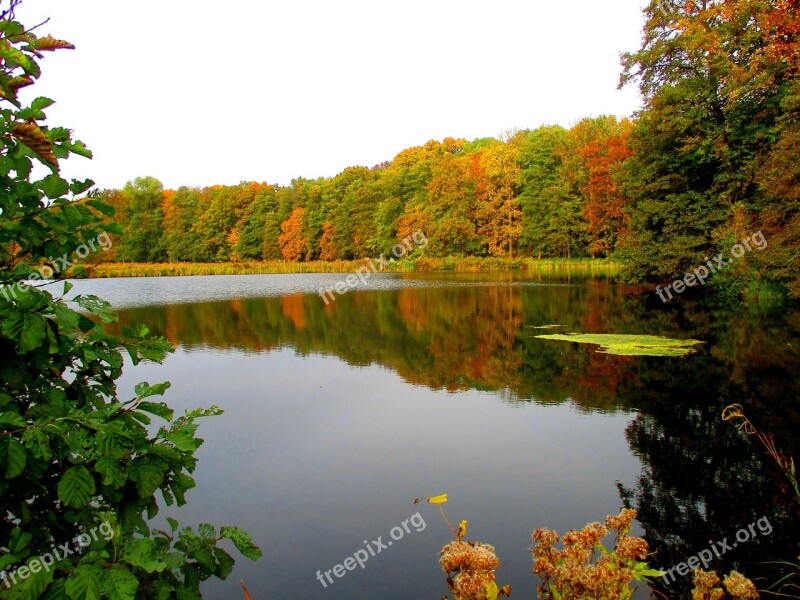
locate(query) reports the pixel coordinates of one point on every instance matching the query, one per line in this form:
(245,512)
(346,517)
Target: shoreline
(280,267)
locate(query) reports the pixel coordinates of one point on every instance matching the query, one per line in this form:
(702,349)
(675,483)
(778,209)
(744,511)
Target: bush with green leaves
(74,457)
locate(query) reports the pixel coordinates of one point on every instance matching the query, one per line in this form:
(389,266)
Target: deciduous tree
(292,241)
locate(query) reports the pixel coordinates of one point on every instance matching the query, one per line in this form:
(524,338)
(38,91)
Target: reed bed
(422,264)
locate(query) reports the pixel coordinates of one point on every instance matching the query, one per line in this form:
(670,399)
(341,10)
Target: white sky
(199,93)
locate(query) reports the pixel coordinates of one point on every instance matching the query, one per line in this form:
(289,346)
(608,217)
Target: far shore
(421,264)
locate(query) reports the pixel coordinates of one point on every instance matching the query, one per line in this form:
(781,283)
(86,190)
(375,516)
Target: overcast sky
(200,93)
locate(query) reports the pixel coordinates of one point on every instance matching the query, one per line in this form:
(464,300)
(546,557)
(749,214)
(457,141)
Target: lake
(338,415)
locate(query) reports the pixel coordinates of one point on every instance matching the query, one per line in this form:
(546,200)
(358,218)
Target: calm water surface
(337,416)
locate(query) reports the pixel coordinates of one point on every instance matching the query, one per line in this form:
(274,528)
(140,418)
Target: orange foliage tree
(327,245)
(291,239)
(605,203)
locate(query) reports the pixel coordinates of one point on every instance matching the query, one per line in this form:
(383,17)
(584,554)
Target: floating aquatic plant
(629,345)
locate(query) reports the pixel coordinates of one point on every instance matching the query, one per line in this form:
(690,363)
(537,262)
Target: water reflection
(700,479)
(443,338)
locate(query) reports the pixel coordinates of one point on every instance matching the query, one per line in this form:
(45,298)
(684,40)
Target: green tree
(542,191)
(75,459)
(713,96)
(220,225)
(144,221)
(182,211)
(254,225)
(779,179)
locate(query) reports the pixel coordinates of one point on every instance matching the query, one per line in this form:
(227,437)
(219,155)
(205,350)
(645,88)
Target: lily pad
(629,345)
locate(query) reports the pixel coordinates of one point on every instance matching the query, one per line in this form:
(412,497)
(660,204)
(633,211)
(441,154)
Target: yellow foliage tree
(498,175)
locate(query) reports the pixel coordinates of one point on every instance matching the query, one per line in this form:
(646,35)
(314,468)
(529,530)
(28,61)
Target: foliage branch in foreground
(74,457)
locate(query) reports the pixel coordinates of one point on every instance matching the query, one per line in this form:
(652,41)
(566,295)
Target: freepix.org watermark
(56,266)
(48,559)
(699,275)
(365,272)
(371,549)
(717,549)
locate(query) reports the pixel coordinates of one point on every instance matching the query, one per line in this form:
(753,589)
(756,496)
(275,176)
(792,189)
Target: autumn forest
(711,158)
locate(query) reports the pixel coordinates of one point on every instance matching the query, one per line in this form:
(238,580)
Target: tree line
(711,158)
(546,192)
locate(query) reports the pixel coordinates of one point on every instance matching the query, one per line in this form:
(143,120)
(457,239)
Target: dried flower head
(632,548)
(468,556)
(740,587)
(705,586)
(622,522)
(584,568)
(472,585)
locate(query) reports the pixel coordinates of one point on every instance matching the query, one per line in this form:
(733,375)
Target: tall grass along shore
(423,264)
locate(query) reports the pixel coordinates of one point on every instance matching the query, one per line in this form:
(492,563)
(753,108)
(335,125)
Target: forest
(710,159)
(547,192)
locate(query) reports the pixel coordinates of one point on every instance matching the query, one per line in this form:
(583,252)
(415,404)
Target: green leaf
(12,418)
(79,148)
(242,541)
(158,409)
(32,586)
(203,556)
(184,439)
(79,187)
(11,28)
(41,103)
(7,560)
(187,594)
(142,553)
(84,583)
(206,531)
(68,319)
(102,207)
(109,468)
(145,390)
(120,584)
(76,487)
(180,484)
(650,573)
(37,443)
(99,308)
(18,541)
(6,164)
(56,591)
(225,561)
(12,457)
(148,478)
(54,186)
(33,332)
(13,57)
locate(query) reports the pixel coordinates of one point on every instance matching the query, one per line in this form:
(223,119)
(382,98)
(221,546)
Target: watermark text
(371,549)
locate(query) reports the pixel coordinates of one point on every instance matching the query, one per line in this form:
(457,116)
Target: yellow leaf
(33,137)
(438,499)
(462,530)
(49,44)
